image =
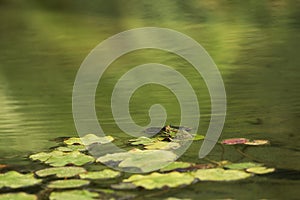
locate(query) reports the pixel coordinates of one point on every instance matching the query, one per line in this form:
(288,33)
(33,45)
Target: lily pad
(88,140)
(61,172)
(233,141)
(176,165)
(260,170)
(219,174)
(142,141)
(104,174)
(13,179)
(17,196)
(198,137)
(163,145)
(257,142)
(73,195)
(140,159)
(157,180)
(244,165)
(58,158)
(71,183)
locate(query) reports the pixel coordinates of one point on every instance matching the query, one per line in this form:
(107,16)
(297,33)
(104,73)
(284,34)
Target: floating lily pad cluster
(69,172)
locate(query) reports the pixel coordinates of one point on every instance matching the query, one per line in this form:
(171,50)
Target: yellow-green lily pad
(74,195)
(70,148)
(88,140)
(142,141)
(70,183)
(13,179)
(163,145)
(18,196)
(176,165)
(198,137)
(243,165)
(157,180)
(61,172)
(140,159)
(104,174)
(219,174)
(59,158)
(260,170)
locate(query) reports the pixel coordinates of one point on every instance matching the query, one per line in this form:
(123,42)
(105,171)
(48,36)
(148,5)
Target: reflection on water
(255,45)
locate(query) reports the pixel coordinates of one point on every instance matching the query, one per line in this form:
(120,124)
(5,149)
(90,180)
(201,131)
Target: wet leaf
(58,158)
(219,174)
(88,140)
(176,165)
(233,141)
(260,170)
(140,159)
(71,183)
(60,172)
(13,179)
(104,174)
(17,196)
(163,145)
(257,142)
(74,195)
(244,165)
(142,141)
(157,180)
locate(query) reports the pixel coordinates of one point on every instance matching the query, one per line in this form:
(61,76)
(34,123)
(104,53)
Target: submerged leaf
(219,174)
(18,196)
(176,165)
(157,180)
(71,183)
(58,158)
(74,195)
(104,174)
(13,179)
(260,170)
(233,141)
(244,165)
(60,171)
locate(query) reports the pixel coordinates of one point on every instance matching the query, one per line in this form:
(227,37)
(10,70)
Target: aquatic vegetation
(74,194)
(260,170)
(104,174)
(18,196)
(157,180)
(234,141)
(176,165)
(244,165)
(71,183)
(13,179)
(140,159)
(60,172)
(73,167)
(88,140)
(219,174)
(59,158)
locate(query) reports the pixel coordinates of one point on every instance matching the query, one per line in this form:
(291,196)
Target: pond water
(254,44)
